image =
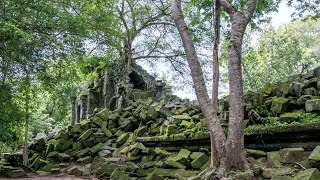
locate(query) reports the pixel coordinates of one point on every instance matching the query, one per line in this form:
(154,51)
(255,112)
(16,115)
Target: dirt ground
(50,177)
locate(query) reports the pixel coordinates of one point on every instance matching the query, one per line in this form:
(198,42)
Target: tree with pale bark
(223,146)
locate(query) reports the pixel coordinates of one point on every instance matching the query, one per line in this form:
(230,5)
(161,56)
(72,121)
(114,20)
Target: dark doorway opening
(137,81)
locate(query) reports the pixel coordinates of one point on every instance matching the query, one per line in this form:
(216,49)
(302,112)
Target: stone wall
(286,102)
(114,89)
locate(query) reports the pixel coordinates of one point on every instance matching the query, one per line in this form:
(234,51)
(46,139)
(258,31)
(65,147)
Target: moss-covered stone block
(63,157)
(141,130)
(85,160)
(308,174)
(312,105)
(314,158)
(274,159)
(291,117)
(200,161)
(271,172)
(295,89)
(188,124)
(290,155)
(171,129)
(76,171)
(256,153)
(122,138)
(279,105)
(184,153)
(85,135)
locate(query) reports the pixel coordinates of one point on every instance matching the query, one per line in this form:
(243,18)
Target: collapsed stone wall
(114,89)
(286,102)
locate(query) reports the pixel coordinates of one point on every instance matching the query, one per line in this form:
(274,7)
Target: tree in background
(282,52)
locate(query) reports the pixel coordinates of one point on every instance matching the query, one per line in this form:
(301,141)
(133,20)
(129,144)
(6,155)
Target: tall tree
(234,141)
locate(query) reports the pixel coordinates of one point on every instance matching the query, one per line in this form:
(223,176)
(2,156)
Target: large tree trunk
(235,141)
(215,68)
(206,105)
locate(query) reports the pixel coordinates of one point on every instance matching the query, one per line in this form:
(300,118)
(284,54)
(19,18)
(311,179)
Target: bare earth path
(50,177)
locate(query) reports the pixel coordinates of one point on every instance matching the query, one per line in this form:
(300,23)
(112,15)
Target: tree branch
(157,57)
(228,7)
(250,9)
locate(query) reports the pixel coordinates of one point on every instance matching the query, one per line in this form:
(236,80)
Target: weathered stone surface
(171,129)
(63,157)
(279,105)
(76,171)
(85,135)
(174,164)
(271,172)
(188,124)
(295,89)
(311,91)
(122,138)
(312,105)
(274,159)
(281,178)
(16,173)
(308,174)
(153,176)
(290,117)
(141,130)
(38,163)
(181,117)
(184,153)
(314,158)
(85,160)
(200,161)
(290,155)
(256,153)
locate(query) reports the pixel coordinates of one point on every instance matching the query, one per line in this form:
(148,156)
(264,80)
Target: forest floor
(61,176)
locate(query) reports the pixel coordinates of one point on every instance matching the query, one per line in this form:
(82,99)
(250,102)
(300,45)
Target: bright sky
(282,16)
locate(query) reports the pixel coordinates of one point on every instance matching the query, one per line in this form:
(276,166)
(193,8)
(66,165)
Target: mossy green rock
(313,105)
(295,89)
(290,155)
(107,132)
(274,159)
(153,176)
(76,171)
(171,129)
(38,163)
(63,157)
(195,155)
(141,130)
(256,153)
(85,135)
(122,138)
(174,164)
(187,124)
(314,158)
(271,172)
(184,153)
(279,105)
(106,169)
(281,178)
(200,161)
(85,160)
(308,174)
(290,117)
(181,117)
(63,145)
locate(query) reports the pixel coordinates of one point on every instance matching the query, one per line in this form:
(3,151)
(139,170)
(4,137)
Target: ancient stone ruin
(113,90)
(133,128)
